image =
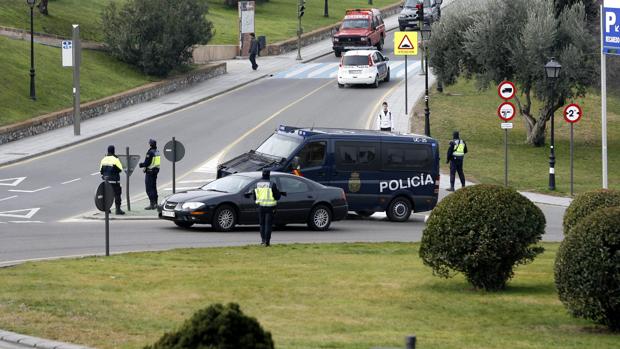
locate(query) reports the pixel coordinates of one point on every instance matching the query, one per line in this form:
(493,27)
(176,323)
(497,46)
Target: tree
(156,35)
(495,40)
(590,6)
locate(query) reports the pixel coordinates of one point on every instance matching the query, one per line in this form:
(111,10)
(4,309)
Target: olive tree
(495,40)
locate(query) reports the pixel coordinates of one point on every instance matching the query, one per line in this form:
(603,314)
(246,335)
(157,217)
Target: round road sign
(100,203)
(506,90)
(506,111)
(572,113)
(174,153)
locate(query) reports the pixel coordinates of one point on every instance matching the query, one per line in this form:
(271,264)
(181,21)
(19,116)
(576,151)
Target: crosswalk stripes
(330,70)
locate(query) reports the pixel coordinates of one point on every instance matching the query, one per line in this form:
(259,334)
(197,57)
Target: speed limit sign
(572,113)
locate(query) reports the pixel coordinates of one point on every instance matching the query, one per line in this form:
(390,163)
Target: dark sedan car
(227,202)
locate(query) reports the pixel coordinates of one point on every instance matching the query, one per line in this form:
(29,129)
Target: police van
(379,171)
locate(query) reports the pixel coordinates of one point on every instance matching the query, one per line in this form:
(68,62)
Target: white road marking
(13,181)
(209,167)
(95,173)
(31,212)
(334,74)
(71,181)
(395,65)
(321,70)
(28,191)
(9,198)
(22,222)
(300,70)
(2,222)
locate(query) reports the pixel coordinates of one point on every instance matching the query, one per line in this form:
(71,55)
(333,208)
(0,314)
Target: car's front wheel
(183,224)
(375,84)
(340,85)
(224,218)
(399,209)
(402,29)
(380,44)
(387,77)
(337,53)
(320,218)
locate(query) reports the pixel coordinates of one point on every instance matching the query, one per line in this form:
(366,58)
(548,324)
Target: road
(38,195)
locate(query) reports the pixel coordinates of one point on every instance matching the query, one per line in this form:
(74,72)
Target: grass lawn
(308,296)
(462,107)
(276,19)
(101,76)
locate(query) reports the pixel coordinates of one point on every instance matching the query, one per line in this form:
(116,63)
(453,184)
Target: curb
(35,342)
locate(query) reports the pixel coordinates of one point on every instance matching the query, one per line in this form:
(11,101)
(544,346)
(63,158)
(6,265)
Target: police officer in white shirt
(384,120)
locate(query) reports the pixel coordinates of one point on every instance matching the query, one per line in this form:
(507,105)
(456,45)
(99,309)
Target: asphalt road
(61,185)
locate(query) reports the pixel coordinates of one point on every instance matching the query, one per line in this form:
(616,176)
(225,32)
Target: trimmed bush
(586,203)
(482,231)
(157,36)
(217,327)
(587,268)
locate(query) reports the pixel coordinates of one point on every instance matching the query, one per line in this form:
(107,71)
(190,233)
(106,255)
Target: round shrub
(217,327)
(482,231)
(587,268)
(588,202)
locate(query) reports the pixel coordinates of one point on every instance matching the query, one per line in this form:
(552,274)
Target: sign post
(506,111)
(174,151)
(77,57)
(246,25)
(406,44)
(104,198)
(572,114)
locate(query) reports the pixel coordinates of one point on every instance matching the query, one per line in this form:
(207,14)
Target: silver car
(408,17)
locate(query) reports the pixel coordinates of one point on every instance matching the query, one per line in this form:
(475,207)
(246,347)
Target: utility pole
(301,6)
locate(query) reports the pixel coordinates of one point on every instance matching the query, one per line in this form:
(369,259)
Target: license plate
(168,214)
(354,71)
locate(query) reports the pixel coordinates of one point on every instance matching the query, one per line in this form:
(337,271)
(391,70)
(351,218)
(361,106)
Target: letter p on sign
(610,21)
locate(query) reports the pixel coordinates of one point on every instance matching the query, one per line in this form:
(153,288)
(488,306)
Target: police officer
(110,169)
(456,153)
(266,195)
(151,169)
(384,119)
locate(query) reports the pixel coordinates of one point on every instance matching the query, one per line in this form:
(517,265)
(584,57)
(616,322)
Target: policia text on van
(379,171)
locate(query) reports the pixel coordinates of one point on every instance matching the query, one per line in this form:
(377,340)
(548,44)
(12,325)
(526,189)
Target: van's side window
(407,156)
(357,156)
(312,154)
(292,185)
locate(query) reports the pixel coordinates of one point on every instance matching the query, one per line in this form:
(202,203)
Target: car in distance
(367,67)
(360,27)
(408,17)
(227,202)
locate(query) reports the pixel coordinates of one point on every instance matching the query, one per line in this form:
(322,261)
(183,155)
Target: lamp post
(552,71)
(427,111)
(32,91)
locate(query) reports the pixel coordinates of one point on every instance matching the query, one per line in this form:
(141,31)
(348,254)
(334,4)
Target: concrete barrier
(208,53)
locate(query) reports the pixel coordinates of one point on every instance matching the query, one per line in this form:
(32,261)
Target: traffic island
(137,212)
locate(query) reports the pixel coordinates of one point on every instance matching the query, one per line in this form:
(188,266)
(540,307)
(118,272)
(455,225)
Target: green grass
(462,107)
(308,296)
(276,19)
(101,76)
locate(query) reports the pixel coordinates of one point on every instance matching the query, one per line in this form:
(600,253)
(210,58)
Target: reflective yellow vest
(459,148)
(111,161)
(264,194)
(156,161)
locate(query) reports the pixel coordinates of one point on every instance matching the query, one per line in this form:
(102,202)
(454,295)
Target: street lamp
(427,111)
(552,71)
(32,92)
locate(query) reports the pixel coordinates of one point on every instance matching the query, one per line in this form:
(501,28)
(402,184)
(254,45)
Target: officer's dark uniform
(110,169)
(151,169)
(266,195)
(456,154)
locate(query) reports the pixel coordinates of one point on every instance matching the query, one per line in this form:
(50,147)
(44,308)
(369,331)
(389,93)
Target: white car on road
(368,67)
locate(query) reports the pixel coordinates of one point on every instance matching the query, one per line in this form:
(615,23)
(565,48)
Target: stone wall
(96,108)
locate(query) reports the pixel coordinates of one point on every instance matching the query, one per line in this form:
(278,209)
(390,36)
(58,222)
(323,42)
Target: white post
(603,105)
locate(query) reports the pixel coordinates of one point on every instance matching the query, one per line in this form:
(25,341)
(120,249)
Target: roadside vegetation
(101,76)
(307,296)
(276,19)
(474,113)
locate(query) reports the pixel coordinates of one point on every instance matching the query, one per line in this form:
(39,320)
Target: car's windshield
(355,24)
(279,146)
(229,184)
(355,60)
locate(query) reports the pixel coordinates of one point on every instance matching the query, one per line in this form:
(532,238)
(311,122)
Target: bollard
(410,342)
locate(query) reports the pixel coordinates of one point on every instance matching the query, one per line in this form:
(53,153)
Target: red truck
(360,28)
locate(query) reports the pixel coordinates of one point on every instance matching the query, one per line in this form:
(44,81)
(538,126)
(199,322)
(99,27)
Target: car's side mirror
(386,58)
(247,194)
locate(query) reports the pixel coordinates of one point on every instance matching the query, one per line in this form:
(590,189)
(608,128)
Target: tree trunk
(43,7)
(536,133)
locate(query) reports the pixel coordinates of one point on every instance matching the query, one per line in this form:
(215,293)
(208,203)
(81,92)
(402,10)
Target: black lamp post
(32,91)
(552,71)
(427,111)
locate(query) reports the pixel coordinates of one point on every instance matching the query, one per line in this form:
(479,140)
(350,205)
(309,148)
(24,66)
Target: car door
(311,161)
(381,64)
(248,210)
(294,207)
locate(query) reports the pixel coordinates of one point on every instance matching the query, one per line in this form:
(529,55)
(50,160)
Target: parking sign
(611,27)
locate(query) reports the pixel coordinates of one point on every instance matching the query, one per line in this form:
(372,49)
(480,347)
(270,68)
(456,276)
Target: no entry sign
(506,90)
(572,113)
(506,111)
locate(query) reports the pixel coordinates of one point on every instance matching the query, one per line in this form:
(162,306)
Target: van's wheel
(399,209)
(183,224)
(365,213)
(376,83)
(387,77)
(320,218)
(224,218)
(337,53)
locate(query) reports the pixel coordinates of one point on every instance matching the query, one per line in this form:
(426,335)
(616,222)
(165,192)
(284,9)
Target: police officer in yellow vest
(456,154)
(266,195)
(151,169)
(110,169)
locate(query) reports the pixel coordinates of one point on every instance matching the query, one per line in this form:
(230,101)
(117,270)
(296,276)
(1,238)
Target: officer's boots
(119,211)
(152,206)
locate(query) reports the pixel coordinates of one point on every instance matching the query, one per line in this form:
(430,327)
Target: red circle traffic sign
(572,113)
(506,90)
(506,111)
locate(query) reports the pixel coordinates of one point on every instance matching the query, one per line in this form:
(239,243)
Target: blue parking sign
(611,27)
